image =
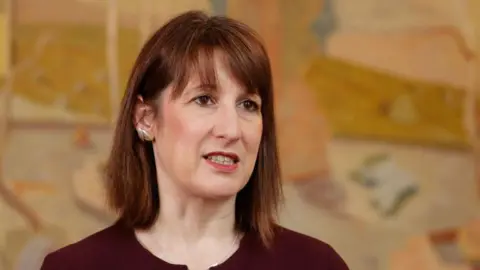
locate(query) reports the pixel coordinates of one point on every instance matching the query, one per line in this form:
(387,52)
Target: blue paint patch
(326,23)
(219,7)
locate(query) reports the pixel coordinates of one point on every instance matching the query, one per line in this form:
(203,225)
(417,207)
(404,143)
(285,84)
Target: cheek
(253,135)
(170,133)
(175,125)
(190,133)
(185,132)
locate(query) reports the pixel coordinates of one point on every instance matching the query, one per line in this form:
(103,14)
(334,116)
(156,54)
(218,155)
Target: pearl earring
(143,135)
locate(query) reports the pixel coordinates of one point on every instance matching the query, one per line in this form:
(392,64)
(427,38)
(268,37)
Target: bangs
(245,60)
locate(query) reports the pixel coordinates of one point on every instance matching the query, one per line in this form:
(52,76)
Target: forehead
(214,74)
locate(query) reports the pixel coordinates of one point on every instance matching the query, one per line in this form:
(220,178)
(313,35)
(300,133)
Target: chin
(224,190)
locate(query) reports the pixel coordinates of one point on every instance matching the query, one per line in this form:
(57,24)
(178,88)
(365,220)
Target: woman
(193,172)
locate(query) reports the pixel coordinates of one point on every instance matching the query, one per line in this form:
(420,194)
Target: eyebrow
(194,89)
(206,87)
(212,88)
(254,96)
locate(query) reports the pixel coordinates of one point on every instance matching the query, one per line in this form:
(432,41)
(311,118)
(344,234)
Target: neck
(190,229)
(190,219)
(195,219)
(196,232)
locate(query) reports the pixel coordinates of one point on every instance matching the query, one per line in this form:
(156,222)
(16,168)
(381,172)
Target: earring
(143,135)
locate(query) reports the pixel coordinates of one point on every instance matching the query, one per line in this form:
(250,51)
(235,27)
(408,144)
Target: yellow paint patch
(361,102)
(80,89)
(3,45)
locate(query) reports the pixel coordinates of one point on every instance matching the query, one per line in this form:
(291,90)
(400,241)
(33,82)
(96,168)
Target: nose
(227,124)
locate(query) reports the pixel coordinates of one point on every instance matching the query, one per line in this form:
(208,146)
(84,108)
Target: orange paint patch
(82,137)
(444,236)
(469,240)
(20,187)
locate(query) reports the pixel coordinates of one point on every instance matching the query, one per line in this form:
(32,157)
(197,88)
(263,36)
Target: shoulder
(92,249)
(307,251)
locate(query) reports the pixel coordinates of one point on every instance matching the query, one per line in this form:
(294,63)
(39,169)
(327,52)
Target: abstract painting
(67,67)
(373,103)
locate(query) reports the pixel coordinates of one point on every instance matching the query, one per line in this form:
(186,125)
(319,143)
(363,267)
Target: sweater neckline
(247,246)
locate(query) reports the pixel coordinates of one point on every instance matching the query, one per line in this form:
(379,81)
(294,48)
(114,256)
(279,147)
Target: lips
(224,162)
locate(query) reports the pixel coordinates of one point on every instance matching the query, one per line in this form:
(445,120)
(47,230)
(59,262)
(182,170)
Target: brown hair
(184,45)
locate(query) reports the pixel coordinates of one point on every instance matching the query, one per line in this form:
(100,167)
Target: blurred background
(377,107)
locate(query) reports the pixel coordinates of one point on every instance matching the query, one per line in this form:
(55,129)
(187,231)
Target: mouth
(222,158)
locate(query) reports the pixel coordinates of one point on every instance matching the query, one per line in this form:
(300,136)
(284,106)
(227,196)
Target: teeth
(221,160)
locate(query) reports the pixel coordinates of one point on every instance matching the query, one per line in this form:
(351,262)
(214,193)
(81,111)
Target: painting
(456,248)
(67,65)
(364,103)
(391,185)
(3,43)
(380,88)
(375,105)
(390,90)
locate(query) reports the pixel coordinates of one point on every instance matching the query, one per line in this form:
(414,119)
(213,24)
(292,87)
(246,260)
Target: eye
(204,100)
(250,105)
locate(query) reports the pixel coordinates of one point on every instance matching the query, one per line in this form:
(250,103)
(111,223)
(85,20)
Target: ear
(144,118)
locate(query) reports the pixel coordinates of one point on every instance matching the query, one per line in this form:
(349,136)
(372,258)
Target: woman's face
(207,140)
